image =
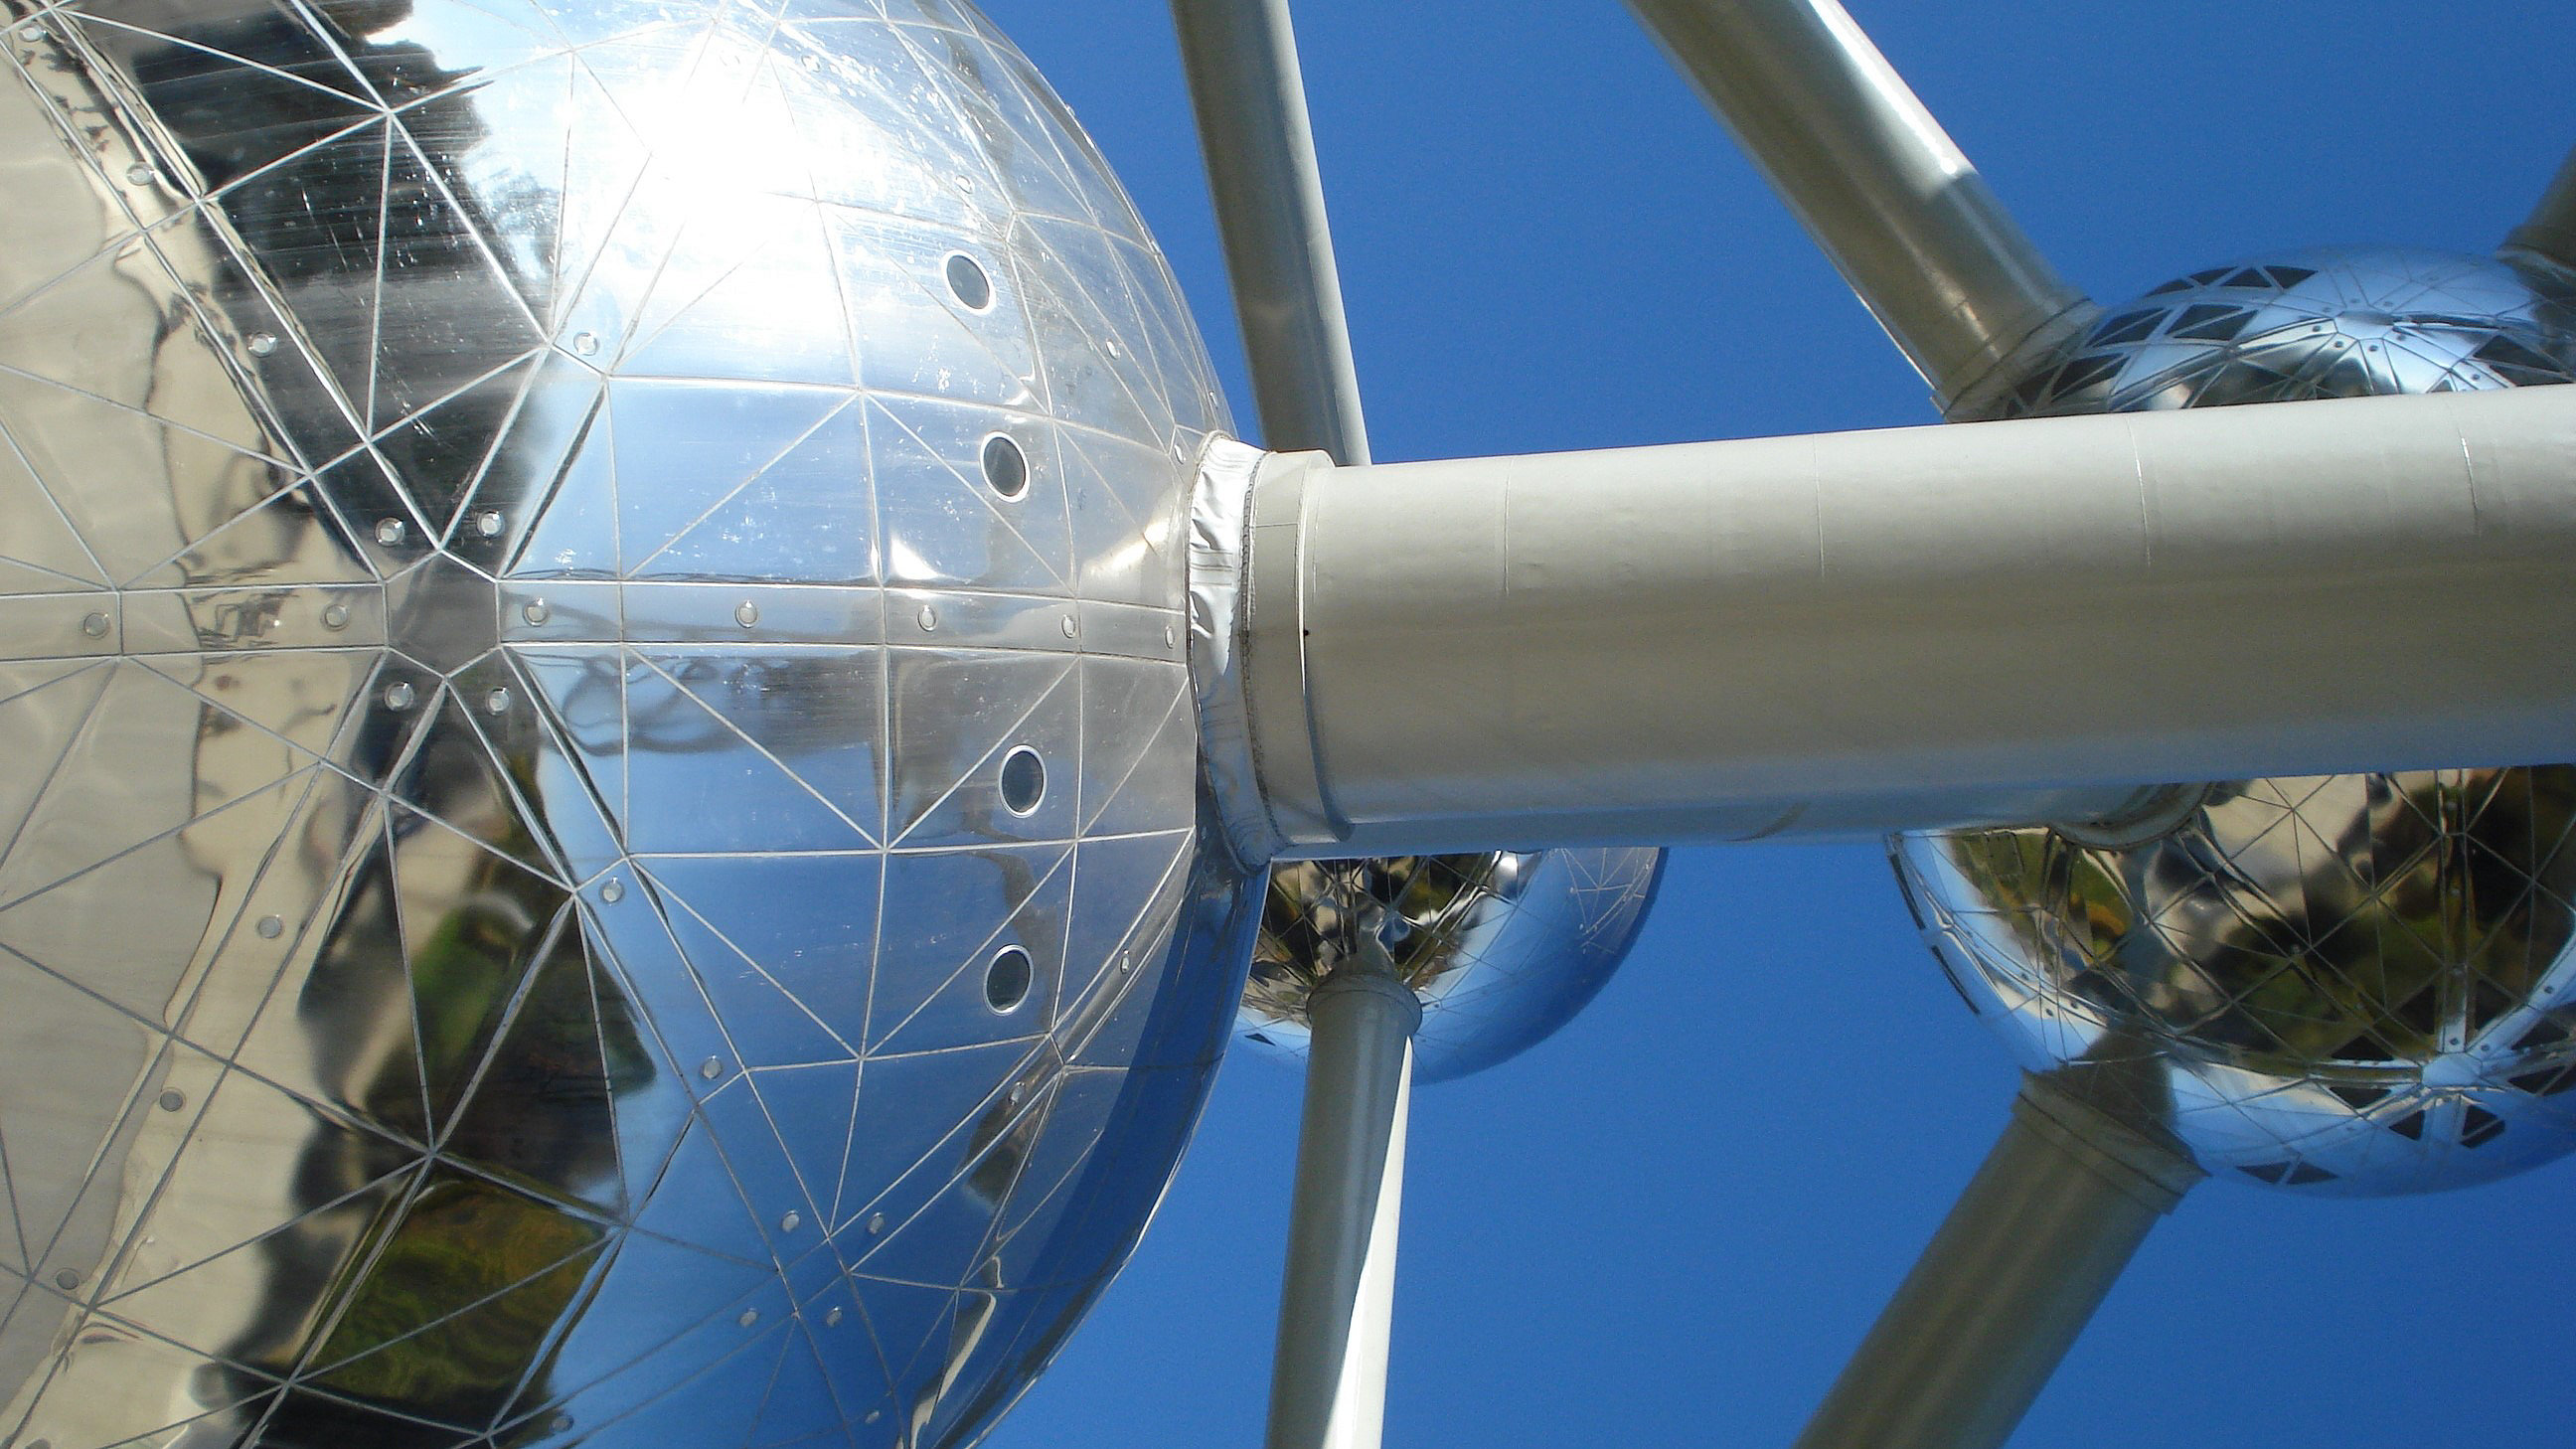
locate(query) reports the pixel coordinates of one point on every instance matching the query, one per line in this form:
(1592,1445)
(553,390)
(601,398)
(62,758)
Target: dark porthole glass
(967,282)
(1006,980)
(1006,467)
(1023,780)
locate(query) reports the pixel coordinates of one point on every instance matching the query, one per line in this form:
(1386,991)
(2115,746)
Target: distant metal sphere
(2327,322)
(1502,949)
(600,840)
(2353,984)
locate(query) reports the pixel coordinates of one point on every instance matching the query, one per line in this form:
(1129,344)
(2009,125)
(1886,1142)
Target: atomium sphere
(2352,984)
(1501,949)
(601,842)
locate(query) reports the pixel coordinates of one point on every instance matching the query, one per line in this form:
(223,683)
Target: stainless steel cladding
(601,826)
(1501,949)
(2353,983)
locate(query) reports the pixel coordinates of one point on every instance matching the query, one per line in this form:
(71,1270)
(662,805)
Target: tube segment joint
(1279,696)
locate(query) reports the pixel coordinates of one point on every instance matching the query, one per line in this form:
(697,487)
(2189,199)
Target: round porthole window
(1006,467)
(1006,980)
(967,282)
(1023,780)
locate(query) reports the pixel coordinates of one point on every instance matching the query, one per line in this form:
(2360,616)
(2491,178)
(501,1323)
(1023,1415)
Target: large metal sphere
(1501,949)
(600,837)
(2359,983)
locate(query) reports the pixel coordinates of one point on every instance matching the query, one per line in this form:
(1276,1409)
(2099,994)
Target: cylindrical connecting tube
(1853,633)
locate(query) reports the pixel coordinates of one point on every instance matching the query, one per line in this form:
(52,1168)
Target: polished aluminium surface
(1881,187)
(1337,1308)
(2017,1269)
(1801,634)
(2352,984)
(602,843)
(2549,234)
(1501,949)
(2322,322)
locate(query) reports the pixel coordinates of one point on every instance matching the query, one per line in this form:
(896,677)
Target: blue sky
(1669,1224)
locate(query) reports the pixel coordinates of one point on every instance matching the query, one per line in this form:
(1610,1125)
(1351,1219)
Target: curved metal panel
(1502,949)
(603,837)
(2349,983)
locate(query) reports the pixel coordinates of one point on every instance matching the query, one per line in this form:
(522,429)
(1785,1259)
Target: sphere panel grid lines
(505,602)
(2349,984)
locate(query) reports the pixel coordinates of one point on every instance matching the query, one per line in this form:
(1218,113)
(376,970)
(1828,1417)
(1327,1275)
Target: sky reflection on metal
(1686,1208)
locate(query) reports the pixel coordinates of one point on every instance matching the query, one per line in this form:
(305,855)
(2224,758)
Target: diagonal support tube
(1250,97)
(1858,632)
(1869,173)
(2034,1245)
(2550,232)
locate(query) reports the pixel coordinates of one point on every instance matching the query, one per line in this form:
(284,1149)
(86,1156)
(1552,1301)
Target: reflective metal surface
(601,843)
(2352,983)
(2325,322)
(1501,949)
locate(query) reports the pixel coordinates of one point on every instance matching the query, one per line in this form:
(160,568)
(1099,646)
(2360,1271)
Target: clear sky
(1668,1225)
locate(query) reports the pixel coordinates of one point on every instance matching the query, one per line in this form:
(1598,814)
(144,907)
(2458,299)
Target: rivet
(586,343)
(1171,637)
(34,32)
(875,1414)
(876,1223)
(613,892)
(390,532)
(749,1317)
(832,1319)
(747,614)
(139,174)
(561,1425)
(1070,628)
(929,619)
(68,1279)
(173,1101)
(711,1068)
(1112,344)
(271,927)
(95,626)
(488,523)
(536,611)
(791,1222)
(398,695)
(497,702)
(336,617)
(262,343)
